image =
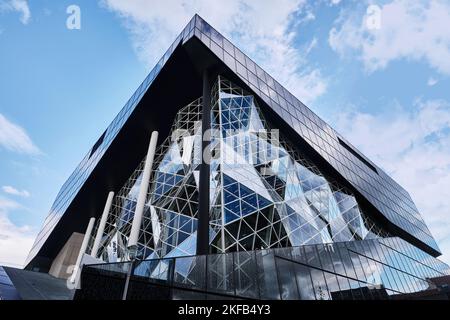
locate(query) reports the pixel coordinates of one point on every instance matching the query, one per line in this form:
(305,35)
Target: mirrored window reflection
(373,250)
(391,277)
(325,259)
(333,286)
(298,254)
(385,279)
(345,288)
(244,271)
(358,267)
(312,258)
(338,265)
(288,288)
(347,261)
(304,282)
(267,275)
(368,269)
(319,285)
(404,279)
(398,282)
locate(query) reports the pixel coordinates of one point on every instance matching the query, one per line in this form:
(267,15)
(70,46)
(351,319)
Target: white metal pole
(143,189)
(101,226)
(83,248)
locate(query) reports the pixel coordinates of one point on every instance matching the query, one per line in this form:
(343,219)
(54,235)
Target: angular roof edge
(383,192)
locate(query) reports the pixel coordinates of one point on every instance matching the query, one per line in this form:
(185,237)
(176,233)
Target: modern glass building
(244,192)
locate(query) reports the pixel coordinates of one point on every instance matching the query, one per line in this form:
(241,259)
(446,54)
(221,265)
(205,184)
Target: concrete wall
(67,257)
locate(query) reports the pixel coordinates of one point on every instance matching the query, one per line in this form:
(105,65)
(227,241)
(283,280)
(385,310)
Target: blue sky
(385,89)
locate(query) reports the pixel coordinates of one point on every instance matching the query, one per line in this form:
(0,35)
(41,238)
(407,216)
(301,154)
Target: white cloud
(20,6)
(413,145)
(335,2)
(263,29)
(431,81)
(311,45)
(309,16)
(15,138)
(13,191)
(15,241)
(410,30)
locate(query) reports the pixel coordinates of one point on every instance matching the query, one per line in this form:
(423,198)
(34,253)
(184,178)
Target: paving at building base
(32,285)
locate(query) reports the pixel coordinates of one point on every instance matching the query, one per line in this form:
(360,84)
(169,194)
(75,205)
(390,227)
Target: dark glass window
(345,289)
(357,155)
(97,144)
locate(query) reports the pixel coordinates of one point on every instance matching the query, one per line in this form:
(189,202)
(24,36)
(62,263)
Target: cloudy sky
(384,84)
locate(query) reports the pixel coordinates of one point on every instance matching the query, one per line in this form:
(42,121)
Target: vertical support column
(203,201)
(127,279)
(101,226)
(83,248)
(143,189)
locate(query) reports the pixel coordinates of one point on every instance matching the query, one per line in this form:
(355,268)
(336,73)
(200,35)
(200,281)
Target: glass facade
(263,192)
(377,187)
(279,228)
(375,269)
